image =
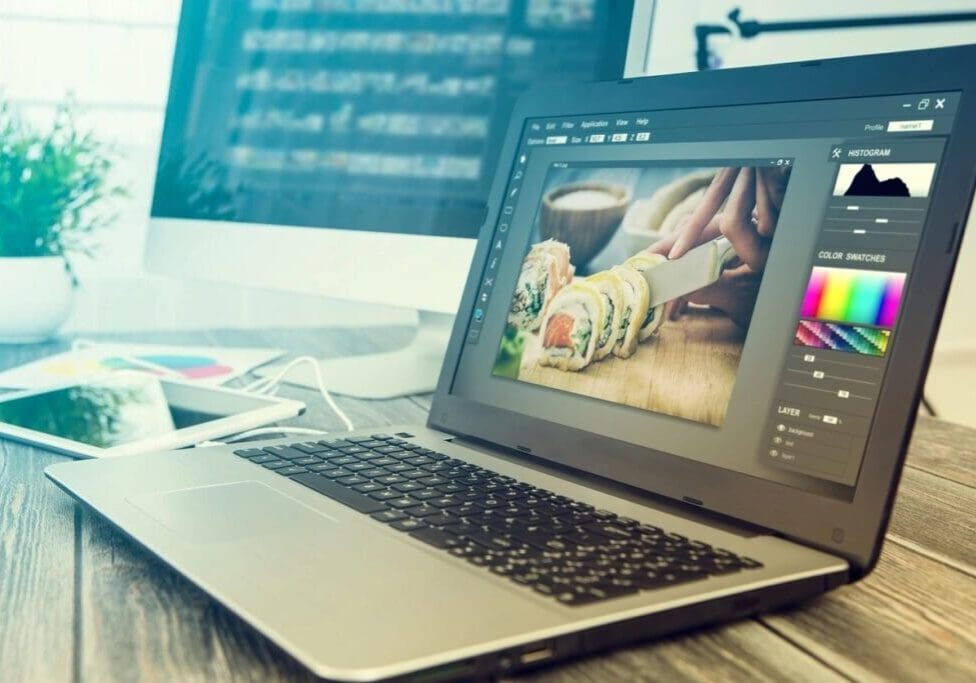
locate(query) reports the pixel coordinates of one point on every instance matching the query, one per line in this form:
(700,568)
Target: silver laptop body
(355,599)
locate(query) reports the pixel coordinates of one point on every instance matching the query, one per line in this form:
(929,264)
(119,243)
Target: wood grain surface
(687,369)
(81,602)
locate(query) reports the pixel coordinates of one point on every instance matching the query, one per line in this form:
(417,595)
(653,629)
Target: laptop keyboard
(557,546)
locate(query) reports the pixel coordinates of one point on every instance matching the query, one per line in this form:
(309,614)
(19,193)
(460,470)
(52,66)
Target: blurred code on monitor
(362,114)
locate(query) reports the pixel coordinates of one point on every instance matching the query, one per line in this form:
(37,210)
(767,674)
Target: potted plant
(53,190)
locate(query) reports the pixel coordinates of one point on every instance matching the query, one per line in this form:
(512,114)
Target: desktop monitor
(346,147)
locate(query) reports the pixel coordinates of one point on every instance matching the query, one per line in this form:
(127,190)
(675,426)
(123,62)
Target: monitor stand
(412,369)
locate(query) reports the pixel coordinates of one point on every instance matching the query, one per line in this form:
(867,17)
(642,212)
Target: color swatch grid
(846,295)
(867,341)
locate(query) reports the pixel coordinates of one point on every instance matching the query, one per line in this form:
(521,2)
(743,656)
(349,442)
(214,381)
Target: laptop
(679,389)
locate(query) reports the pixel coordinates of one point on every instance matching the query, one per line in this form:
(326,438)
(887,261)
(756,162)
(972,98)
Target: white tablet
(126,413)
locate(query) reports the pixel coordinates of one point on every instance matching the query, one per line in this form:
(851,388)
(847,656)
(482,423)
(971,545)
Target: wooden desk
(78,602)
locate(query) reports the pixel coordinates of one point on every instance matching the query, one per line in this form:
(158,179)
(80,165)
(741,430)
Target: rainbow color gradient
(860,297)
(868,341)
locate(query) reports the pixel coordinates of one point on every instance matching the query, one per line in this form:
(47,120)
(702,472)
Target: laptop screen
(761,344)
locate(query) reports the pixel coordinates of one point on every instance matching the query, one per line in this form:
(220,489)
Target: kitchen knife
(697,268)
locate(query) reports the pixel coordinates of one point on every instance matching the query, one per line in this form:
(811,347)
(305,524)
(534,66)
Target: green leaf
(54,188)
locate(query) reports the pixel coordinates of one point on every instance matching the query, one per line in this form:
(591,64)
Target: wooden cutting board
(686,370)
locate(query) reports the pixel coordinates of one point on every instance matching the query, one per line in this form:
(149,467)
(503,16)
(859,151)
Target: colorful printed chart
(867,341)
(846,295)
(188,366)
(212,366)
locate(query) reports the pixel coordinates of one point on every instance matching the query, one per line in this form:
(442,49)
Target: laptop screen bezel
(851,528)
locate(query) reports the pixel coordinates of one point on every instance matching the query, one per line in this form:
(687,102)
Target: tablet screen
(122,409)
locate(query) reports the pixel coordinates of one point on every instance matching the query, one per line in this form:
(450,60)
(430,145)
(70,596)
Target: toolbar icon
(940,102)
(835,153)
(503,227)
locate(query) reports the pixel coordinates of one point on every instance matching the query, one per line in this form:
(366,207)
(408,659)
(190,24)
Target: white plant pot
(36,296)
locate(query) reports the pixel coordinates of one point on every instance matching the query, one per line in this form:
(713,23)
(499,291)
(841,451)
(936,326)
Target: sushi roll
(653,317)
(545,270)
(571,327)
(612,290)
(559,251)
(636,297)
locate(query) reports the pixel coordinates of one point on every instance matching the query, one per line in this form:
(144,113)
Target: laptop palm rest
(229,512)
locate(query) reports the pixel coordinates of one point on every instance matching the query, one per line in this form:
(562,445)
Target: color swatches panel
(867,341)
(860,297)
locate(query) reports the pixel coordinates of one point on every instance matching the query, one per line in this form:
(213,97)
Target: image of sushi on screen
(580,318)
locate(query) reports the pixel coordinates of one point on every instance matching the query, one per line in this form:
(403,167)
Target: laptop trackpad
(229,512)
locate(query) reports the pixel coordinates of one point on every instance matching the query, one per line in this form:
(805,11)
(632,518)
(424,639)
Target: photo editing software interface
(792,231)
(362,115)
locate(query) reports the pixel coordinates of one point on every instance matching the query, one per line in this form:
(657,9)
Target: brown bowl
(583,215)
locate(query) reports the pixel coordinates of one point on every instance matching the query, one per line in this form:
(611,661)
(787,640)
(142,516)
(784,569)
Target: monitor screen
(362,114)
(792,231)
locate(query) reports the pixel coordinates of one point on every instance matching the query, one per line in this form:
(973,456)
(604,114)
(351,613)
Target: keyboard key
(338,492)
(343,460)
(352,480)
(336,443)
(285,452)
(335,472)
(402,502)
(436,538)
(310,447)
(276,464)
(419,460)
(408,486)
(265,457)
(307,461)
(385,494)
(289,471)
(426,494)
(408,525)
(387,516)
(440,519)
(369,487)
(250,452)
(390,479)
(444,502)
(421,511)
